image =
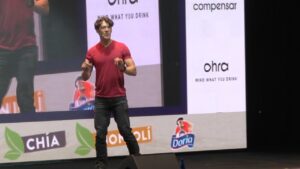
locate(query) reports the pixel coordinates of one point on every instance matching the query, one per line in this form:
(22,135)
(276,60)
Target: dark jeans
(20,64)
(119,108)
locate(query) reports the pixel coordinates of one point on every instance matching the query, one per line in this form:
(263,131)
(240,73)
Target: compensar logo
(27,144)
(183,135)
(214,6)
(121,2)
(216,66)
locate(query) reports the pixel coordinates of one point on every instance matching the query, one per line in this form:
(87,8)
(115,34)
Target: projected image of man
(18,49)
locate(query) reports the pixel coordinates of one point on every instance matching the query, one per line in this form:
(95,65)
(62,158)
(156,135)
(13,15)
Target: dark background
(271,67)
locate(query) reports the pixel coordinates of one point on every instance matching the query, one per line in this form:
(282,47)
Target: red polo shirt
(109,79)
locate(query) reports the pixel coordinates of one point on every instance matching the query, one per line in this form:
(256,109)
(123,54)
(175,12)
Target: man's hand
(86,65)
(87,68)
(120,64)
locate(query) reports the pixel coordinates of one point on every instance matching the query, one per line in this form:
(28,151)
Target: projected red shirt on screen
(16,25)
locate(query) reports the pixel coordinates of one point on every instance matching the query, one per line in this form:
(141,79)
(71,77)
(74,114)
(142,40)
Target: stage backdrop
(209,111)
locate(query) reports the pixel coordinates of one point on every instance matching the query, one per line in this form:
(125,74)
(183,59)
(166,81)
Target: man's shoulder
(121,46)
(118,43)
(93,48)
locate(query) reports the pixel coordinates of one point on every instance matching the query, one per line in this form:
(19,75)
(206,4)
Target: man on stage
(111,60)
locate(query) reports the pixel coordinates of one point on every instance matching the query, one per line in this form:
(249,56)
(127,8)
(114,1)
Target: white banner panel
(215,46)
(136,24)
(72,139)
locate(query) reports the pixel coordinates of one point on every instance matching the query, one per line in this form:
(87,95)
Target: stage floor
(241,159)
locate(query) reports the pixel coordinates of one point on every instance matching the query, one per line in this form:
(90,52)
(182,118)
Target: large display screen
(67,32)
(188,95)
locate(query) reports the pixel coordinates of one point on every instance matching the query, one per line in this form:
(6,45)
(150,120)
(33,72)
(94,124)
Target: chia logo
(216,67)
(183,135)
(19,145)
(121,2)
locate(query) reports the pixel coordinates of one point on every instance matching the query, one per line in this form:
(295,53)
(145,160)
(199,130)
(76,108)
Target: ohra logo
(121,2)
(216,67)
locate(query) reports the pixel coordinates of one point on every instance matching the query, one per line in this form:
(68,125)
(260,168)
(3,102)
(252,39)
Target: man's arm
(130,68)
(127,66)
(87,68)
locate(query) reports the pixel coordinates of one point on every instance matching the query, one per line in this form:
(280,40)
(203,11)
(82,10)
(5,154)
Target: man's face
(105,31)
(80,85)
(180,123)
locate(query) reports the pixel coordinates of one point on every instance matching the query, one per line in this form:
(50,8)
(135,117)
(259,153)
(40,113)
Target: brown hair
(101,19)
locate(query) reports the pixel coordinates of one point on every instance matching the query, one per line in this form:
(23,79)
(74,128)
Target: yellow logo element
(142,134)
(9,104)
